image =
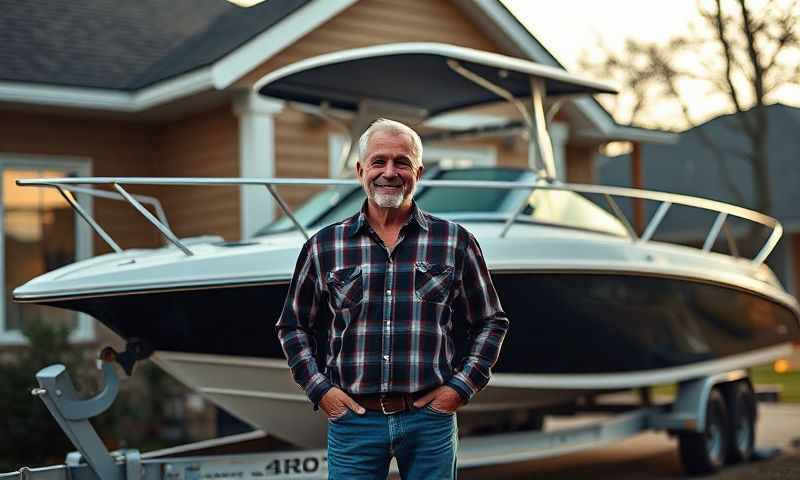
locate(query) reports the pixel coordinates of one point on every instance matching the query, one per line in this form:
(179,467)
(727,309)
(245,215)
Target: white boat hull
(261,392)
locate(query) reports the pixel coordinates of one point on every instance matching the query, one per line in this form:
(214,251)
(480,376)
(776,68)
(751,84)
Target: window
(40,233)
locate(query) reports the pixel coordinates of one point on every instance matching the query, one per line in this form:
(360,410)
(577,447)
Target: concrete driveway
(655,456)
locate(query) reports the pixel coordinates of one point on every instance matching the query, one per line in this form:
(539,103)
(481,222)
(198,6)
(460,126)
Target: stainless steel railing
(159,221)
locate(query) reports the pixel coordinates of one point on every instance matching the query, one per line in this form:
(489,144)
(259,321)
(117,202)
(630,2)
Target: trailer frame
(687,415)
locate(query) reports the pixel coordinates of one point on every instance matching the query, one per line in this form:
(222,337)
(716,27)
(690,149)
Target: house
(163,88)
(691,167)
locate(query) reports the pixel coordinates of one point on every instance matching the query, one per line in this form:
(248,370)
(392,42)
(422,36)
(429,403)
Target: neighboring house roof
(124,46)
(134,55)
(690,167)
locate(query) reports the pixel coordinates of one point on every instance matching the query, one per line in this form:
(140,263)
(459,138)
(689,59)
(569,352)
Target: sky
(568,27)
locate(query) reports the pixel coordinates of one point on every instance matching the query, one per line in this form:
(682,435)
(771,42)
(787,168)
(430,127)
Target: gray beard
(386,200)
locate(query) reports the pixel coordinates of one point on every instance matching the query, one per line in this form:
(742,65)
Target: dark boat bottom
(560,323)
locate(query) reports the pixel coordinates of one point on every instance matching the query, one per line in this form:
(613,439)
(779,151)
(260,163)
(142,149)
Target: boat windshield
(570,209)
(545,206)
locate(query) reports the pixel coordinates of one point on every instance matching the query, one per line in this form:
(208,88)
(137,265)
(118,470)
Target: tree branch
(719,23)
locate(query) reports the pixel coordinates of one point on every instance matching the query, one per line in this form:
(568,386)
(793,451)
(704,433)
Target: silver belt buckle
(383,407)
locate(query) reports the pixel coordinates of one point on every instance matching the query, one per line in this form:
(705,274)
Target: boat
(595,306)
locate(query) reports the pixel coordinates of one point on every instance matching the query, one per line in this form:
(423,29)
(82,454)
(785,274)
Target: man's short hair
(391,126)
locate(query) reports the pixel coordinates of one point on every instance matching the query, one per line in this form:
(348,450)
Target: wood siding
(115,148)
(204,145)
(580,163)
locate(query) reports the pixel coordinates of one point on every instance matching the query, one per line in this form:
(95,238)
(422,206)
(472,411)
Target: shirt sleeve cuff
(462,388)
(317,389)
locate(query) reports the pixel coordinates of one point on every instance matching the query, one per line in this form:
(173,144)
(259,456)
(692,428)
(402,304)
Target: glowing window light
(781,366)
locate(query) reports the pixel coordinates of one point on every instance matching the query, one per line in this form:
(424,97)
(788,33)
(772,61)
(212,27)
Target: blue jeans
(423,441)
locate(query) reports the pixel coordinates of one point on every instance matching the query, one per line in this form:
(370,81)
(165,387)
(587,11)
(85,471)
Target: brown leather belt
(388,403)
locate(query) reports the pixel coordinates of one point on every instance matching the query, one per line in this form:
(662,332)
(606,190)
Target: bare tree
(741,53)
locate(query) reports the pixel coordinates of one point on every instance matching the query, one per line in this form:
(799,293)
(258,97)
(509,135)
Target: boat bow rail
(88,185)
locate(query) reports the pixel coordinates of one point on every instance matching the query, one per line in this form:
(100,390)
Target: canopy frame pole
(152,219)
(714,232)
(496,89)
(732,247)
(89,219)
(656,221)
(286,210)
(554,109)
(535,119)
(524,203)
(538,130)
(621,216)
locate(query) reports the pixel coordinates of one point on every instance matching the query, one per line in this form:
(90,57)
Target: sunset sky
(568,27)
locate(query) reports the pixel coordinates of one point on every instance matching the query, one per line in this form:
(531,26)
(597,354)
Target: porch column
(256,158)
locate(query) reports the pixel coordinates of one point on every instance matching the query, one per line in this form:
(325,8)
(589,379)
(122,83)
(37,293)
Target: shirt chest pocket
(432,282)
(346,287)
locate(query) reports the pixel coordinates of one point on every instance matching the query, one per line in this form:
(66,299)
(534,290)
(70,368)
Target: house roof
(124,45)
(135,55)
(691,168)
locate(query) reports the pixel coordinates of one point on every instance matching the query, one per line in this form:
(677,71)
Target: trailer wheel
(705,452)
(742,408)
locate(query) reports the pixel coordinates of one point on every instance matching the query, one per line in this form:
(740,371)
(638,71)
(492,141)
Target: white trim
(255,52)
(83,236)
(107,99)
(641,379)
(65,96)
(256,158)
(174,88)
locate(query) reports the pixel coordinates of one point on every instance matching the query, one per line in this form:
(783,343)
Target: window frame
(81,166)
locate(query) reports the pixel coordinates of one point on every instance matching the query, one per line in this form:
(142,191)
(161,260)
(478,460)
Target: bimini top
(417,75)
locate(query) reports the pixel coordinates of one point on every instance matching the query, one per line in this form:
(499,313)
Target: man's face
(389,175)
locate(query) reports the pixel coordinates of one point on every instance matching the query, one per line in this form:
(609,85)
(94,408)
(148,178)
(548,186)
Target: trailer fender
(688,412)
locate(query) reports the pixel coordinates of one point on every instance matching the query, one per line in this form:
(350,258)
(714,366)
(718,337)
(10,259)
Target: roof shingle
(124,45)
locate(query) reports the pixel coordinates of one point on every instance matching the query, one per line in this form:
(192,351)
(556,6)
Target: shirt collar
(360,220)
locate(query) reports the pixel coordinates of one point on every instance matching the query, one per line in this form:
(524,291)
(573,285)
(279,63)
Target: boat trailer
(687,417)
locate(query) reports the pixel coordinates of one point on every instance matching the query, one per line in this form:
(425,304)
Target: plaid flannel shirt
(385,318)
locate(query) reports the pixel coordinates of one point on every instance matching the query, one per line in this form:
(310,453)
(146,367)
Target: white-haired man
(384,288)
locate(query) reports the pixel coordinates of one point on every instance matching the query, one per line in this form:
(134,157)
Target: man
(385,288)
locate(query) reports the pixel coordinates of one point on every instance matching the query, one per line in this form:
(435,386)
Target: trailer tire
(742,413)
(705,452)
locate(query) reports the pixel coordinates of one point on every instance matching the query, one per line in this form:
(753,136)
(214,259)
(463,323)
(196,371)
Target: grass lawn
(789,383)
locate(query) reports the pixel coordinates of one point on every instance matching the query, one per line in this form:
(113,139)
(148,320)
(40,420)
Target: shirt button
(386,357)
(388,292)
